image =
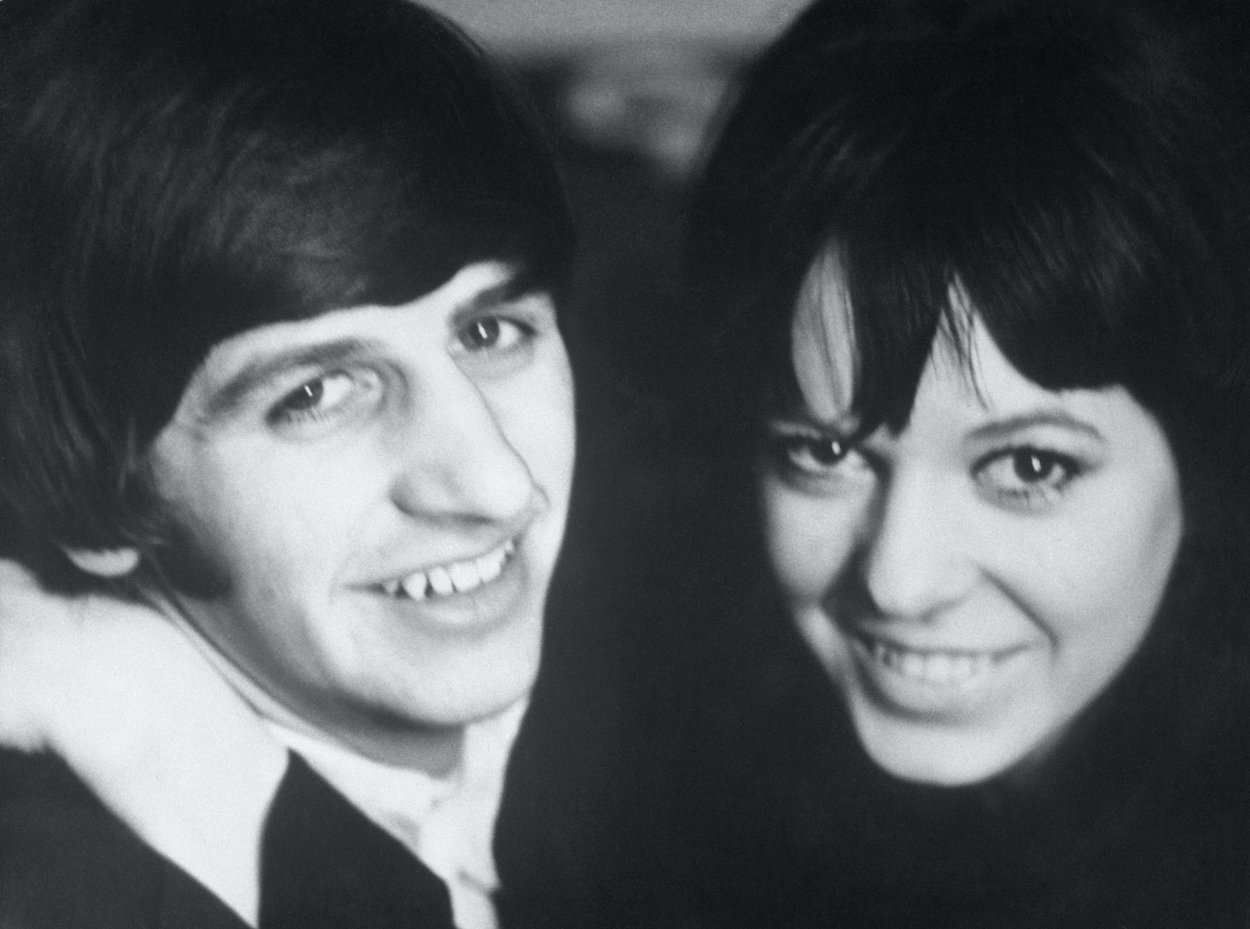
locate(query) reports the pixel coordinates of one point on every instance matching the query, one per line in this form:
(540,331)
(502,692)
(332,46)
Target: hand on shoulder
(120,692)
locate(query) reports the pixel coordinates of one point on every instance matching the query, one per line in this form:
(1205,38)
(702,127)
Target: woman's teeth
(935,668)
(457,577)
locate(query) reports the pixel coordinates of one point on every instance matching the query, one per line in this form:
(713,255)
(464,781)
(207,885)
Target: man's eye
(322,398)
(1027,476)
(492,334)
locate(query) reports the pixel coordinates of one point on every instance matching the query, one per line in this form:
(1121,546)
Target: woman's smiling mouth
(937,668)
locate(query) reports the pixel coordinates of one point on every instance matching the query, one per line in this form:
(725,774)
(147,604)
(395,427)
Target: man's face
(380,493)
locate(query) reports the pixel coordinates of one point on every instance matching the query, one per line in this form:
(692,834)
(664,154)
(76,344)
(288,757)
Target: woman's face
(972,583)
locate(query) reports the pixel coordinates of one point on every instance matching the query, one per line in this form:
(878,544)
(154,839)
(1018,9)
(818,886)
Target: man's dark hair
(173,172)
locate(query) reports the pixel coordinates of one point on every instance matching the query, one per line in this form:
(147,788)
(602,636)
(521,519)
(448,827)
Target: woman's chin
(938,753)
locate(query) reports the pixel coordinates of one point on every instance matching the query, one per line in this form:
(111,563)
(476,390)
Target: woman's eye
(1027,476)
(812,455)
(323,398)
(492,334)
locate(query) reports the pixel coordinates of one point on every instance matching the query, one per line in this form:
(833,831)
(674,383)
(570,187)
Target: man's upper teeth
(457,577)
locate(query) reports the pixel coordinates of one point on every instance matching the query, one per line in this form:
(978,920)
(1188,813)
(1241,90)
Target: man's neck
(447,821)
(436,751)
(433,750)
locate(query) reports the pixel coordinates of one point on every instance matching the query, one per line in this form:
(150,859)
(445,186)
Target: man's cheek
(186,563)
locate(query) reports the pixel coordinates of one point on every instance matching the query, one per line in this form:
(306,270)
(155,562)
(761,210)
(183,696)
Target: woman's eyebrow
(226,398)
(1009,425)
(799,413)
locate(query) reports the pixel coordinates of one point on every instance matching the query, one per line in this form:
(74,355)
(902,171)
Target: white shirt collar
(446,821)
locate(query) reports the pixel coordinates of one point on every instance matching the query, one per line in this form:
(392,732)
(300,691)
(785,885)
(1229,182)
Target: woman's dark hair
(173,172)
(1078,169)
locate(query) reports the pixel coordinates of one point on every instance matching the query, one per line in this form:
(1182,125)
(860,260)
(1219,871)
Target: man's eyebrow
(514,287)
(999,429)
(228,397)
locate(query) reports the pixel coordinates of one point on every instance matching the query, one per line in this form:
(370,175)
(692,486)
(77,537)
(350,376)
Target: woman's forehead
(823,348)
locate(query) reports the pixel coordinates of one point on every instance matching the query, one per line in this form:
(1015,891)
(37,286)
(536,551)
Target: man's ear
(104,563)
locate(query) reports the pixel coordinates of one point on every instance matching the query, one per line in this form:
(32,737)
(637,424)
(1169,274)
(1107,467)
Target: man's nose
(458,461)
(917,556)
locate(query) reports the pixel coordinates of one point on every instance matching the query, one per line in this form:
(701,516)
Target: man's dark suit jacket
(67,863)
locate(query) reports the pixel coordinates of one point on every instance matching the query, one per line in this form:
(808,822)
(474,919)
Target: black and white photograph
(624,464)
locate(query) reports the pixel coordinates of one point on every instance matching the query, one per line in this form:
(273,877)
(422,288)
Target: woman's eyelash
(803,452)
(1026,475)
(823,450)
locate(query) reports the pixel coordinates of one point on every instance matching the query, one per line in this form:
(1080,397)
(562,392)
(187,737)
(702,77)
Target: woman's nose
(916,558)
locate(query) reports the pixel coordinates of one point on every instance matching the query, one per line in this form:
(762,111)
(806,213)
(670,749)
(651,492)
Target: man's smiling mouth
(456,577)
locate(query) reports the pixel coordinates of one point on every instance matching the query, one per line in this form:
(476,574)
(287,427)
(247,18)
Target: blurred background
(628,89)
(539,28)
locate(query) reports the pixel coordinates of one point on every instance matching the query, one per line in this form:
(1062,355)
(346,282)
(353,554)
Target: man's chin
(429,735)
(463,706)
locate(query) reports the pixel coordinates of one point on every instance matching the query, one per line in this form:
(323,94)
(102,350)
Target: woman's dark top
(765,811)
